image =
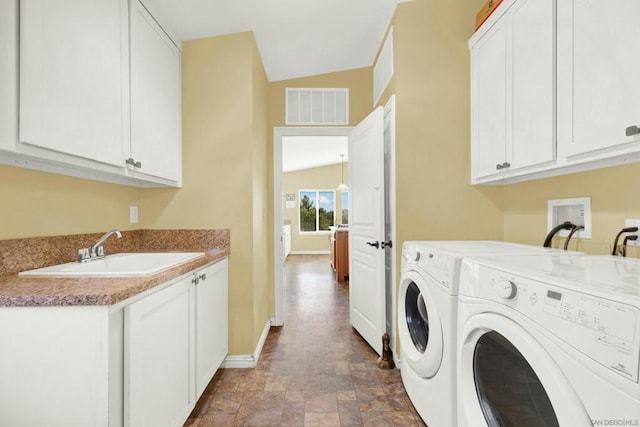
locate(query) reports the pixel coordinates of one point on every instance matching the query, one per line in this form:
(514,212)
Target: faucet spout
(97,250)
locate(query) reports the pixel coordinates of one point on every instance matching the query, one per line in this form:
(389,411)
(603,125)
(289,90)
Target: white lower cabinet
(142,362)
(160,357)
(211,321)
(175,340)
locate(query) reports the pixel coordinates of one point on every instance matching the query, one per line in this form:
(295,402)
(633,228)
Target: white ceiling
(303,152)
(296,38)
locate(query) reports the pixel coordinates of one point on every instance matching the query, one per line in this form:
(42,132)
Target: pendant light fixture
(342,186)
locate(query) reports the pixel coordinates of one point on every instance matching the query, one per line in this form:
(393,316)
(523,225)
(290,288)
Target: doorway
(281,133)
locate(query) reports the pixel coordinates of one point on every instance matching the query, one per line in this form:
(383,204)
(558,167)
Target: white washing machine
(549,341)
(427,320)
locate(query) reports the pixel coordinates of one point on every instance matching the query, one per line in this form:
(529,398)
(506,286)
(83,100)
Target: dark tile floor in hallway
(313,371)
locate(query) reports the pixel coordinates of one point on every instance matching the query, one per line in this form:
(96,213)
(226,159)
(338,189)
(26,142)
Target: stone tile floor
(313,371)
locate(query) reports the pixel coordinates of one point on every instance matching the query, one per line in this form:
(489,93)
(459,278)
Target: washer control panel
(606,330)
(439,266)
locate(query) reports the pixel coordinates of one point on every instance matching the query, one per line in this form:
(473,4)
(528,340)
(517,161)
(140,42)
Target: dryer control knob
(506,289)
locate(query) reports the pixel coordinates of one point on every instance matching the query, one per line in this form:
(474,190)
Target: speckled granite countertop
(26,254)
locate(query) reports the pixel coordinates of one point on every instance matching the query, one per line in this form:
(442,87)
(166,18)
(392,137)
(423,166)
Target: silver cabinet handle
(131,161)
(632,130)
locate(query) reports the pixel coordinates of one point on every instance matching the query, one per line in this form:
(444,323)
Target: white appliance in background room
(427,320)
(561,334)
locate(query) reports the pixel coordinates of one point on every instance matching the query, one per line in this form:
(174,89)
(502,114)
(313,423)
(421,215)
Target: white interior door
(366,229)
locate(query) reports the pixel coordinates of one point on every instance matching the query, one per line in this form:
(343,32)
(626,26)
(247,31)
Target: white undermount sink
(118,265)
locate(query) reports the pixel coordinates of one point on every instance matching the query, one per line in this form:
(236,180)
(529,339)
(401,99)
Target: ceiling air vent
(317,106)
(383,69)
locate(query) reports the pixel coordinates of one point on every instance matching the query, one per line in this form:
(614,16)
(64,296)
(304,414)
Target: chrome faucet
(97,250)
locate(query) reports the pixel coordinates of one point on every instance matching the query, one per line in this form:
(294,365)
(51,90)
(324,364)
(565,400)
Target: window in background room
(317,209)
(345,207)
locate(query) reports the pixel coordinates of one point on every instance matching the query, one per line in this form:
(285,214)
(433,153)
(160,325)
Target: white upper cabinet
(155,98)
(532,129)
(73,77)
(598,76)
(512,90)
(488,94)
(90,88)
(554,89)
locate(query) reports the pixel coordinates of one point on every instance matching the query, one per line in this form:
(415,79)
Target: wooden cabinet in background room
(341,254)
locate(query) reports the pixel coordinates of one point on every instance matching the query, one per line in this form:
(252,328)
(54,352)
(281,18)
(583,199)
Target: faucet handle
(101,251)
(83,255)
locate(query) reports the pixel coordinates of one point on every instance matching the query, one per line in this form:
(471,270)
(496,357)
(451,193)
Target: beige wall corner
(224,147)
(434,197)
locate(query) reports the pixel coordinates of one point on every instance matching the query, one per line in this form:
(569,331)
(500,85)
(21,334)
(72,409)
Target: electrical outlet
(133,214)
(632,223)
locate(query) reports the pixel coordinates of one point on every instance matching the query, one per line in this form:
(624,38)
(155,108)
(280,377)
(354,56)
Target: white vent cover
(383,69)
(317,106)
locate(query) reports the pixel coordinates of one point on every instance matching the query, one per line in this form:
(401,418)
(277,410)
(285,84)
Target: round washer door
(506,377)
(419,325)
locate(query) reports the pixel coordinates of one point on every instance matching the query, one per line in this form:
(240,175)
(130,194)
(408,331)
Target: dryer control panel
(603,329)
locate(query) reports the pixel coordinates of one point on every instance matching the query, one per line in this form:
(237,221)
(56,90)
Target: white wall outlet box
(133,214)
(576,210)
(632,223)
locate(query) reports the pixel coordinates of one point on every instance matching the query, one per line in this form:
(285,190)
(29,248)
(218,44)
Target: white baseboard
(310,253)
(248,360)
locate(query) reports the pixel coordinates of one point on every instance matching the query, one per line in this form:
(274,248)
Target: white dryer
(549,341)
(427,320)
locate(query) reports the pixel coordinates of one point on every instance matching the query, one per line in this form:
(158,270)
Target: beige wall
(224,164)
(613,199)
(43,204)
(261,278)
(434,199)
(360,83)
(320,178)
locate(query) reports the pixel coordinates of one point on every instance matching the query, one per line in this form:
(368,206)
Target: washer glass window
(509,391)
(417,318)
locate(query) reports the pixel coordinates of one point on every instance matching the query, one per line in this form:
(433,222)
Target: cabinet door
(160,357)
(488,100)
(8,73)
(531,112)
(598,68)
(74,77)
(155,97)
(211,321)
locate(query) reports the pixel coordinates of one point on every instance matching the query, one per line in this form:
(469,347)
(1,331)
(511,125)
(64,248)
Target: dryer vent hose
(567,225)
